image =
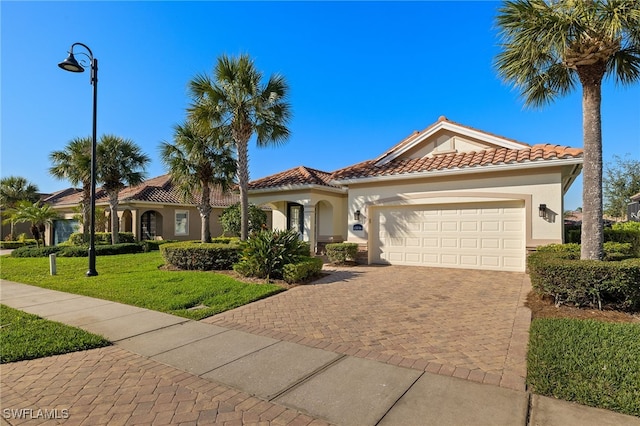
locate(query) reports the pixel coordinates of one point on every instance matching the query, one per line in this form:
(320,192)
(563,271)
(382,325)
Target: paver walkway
(462,323)
(112,386)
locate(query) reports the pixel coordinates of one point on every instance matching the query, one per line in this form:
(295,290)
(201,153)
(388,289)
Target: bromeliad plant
(266,253)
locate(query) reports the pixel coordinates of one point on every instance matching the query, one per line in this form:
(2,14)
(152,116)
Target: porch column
(135,223)
(310,225)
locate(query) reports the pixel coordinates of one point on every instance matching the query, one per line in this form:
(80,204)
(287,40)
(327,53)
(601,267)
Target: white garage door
(471,236)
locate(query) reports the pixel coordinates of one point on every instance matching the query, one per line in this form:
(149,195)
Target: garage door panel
(483,236)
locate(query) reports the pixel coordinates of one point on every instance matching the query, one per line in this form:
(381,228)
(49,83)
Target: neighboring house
(152,210)
(633,208)
(448,196)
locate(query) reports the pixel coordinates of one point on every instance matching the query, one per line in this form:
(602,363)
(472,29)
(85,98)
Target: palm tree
(548,47)
(73,163)
(14,189)
(199,160)
(38,215)
(120,163)
(238,104)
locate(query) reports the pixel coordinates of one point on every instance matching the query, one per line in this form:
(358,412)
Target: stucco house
(152,210)
(447,196)
(633,208)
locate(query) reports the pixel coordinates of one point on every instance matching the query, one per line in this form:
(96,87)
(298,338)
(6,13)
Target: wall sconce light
(542,211)
(356,216)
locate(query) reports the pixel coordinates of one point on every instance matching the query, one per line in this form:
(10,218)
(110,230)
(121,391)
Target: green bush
(302,270)
(35,251)
(560,248)
(626,226)
(586,282)
(77,238)
(74,251)
(17,244)
(619,233)
(230,219)
(192,255)
(102,250)
(612,250)
(153,245)
(342,252)
(265,253)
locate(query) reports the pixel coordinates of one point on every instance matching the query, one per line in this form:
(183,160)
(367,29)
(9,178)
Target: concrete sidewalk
(229,373)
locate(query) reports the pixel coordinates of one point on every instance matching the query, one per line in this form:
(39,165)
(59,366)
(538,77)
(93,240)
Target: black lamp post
(71,64)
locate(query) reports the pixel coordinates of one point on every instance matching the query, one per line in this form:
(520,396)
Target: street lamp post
(71,64)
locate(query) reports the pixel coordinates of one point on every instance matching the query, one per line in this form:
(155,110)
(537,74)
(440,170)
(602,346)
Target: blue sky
(362,76)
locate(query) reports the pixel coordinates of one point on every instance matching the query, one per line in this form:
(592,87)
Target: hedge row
(17,244)
(342,252)
(586,282)
(630,236)
(73,251)
(100,238)
(192,255)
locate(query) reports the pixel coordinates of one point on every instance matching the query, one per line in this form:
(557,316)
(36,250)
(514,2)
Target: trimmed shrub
(191,255)
(101,250)
(17,244)
(302,270)
(74,251)
(560,248)
(626,226)
(77,238)
(586,282)
(153,245)
(265,253)
(35,251)
(620,233)
(342,252)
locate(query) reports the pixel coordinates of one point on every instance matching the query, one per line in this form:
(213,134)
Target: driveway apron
(461,323)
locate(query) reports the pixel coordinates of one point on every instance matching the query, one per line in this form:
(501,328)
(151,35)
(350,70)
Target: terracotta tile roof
(294,177)
(160,189)
(453,161)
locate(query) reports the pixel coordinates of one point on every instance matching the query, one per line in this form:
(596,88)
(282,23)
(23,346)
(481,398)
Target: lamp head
(70,64)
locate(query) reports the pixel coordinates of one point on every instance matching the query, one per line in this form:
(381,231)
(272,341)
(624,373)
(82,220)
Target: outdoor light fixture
(542,211)
(356,216)
(72,65)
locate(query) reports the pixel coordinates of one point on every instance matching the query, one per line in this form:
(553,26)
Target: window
(182,222)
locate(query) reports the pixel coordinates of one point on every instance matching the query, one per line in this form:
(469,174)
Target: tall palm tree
(14,189)
(120,163)
(238,103)
(38,215)
(73,163)
(198,161)
(550,46)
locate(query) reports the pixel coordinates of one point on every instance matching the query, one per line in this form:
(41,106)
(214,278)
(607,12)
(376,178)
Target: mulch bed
(544,307)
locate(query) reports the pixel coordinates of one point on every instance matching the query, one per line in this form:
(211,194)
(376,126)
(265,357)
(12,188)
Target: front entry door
(295,217)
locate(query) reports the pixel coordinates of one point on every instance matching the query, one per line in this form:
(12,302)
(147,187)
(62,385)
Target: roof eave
(298,188)
(465,170)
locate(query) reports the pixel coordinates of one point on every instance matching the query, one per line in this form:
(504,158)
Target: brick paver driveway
(462,323)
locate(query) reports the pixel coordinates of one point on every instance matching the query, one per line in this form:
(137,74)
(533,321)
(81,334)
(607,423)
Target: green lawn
(135,279)
(26,336)
(590,362)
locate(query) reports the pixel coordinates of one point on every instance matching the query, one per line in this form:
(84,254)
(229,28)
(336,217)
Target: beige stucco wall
(534,188)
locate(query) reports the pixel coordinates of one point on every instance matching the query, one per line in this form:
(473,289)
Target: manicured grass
(26,336)
(590,362)
(135,279)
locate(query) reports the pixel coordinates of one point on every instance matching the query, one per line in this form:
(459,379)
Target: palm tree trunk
(115,222)
(592,234)
(205,211)
(243,183)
